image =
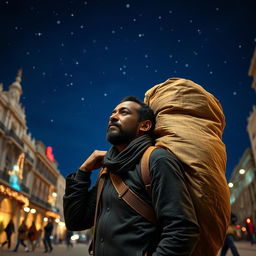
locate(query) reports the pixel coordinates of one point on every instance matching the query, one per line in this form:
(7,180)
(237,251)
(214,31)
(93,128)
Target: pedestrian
(47,236)
(119,229)
(68,238)
(9,231)
(39,236)
(250,230)
(32,235)
(229,240)
(22,236)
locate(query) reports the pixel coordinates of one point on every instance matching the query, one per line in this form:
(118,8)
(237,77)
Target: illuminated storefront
(28,170)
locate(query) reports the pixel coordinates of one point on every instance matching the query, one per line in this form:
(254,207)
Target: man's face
(123,123)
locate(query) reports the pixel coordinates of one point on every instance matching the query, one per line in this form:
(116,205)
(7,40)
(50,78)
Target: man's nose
(113,117)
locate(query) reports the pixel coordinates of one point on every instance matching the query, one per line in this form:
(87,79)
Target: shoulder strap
(134,201)
(101,181)
(144,168)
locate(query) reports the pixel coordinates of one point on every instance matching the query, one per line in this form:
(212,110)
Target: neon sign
(49,153)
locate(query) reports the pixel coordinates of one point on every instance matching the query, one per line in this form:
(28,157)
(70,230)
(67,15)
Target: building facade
(243,190)
(251,127)
(243,181)
(28,171)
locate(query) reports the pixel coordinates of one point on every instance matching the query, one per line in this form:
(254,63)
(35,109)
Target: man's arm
(173,206)
(79,202)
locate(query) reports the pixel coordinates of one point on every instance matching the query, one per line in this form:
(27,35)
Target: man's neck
(120,148)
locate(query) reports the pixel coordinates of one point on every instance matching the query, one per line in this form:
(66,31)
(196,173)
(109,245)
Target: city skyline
(79,58)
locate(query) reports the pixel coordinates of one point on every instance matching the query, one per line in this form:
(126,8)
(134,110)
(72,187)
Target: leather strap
(144,168)
(134,201)
(99,190)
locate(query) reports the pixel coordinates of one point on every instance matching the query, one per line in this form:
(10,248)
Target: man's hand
(94,161)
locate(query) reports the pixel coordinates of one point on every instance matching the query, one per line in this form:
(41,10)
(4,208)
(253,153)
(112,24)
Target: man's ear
(145,126)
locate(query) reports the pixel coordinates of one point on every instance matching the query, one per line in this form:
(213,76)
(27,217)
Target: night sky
(79,58)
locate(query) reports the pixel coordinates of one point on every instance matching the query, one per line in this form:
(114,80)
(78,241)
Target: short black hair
(145,112)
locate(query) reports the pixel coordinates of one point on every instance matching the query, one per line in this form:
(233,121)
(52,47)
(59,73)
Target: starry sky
(79,58)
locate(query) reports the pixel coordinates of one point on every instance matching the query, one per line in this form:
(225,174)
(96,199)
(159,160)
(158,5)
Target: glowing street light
(26,209)
(45,219)
(33,211)
(230,184)
(54,194)
(242,171)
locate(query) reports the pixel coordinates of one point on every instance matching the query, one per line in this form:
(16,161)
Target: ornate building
(251,127)
(29,174)
(243,181)
(243,190)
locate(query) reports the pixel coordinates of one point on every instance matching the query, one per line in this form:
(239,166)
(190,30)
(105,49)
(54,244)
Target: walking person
(39,236)
(9,231)
(229,240)
(32,236)
(68,238)
(22,236)
(47,236)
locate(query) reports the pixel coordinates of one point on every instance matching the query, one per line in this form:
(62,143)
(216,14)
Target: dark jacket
(9,228)
(123,232)
(48,230)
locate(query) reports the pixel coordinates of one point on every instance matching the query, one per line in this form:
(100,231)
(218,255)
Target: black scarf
(120,162)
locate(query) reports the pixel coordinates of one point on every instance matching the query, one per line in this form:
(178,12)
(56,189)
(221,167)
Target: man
(119,229)
(47,236)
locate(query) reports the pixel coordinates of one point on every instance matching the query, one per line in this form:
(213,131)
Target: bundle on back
(190,123)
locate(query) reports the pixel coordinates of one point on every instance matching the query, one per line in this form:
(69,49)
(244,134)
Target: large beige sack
(190,123)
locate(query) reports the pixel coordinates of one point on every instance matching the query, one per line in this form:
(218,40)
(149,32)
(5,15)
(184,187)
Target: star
(127,6)
(58,22)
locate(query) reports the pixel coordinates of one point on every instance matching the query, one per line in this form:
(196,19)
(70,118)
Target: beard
(120,137)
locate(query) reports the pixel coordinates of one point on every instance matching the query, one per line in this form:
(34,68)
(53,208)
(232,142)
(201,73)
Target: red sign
(49,154)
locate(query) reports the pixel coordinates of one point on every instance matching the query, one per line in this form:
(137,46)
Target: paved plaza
(244,248)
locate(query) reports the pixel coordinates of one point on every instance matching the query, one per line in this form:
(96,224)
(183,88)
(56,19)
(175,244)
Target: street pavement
(244,249)
(58,250)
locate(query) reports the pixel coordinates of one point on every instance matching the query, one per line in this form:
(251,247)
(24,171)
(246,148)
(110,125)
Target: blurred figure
(8,230)
(39,236)
(32,236)
(68,238)
(22,235)
(250,230)
(47,236)
(229,240)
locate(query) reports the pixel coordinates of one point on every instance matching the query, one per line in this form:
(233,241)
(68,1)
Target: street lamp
(54,194)
(45,219)
(33,211)
(242,171)
(26,209)
(230,184)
